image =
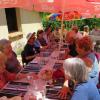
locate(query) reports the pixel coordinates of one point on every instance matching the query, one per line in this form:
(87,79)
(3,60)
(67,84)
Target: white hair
(3,43)
(76,69)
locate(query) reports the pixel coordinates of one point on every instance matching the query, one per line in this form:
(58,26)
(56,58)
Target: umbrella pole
(62,23)
(61,33)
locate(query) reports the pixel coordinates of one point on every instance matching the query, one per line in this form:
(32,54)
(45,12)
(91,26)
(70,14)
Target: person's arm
(2,84)
(21,76)
(42,48)
(18,63)
(10,76)
(64,91)
(30,57)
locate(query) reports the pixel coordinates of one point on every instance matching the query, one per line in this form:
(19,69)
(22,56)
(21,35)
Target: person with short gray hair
(84,88)
(12,64)
(3,43)
(76,69)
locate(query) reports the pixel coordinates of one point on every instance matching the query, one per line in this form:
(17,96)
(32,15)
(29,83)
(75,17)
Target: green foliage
(80,23)
(46,22)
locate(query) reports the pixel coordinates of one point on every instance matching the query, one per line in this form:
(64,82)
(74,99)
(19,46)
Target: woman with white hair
(84,88)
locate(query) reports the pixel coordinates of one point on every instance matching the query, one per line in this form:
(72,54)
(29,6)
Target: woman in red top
(5,76)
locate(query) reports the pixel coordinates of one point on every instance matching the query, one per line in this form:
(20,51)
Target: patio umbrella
(26,4)
(72,15)
(93,1)
(56,6)
(52,16)
(87,8)
(51,6)
(96,5)
(59,5)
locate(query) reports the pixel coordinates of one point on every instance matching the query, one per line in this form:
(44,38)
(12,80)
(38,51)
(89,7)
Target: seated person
(95,31)
(2,70)
(63,32)
(12,64)
(71,38)
(6,76)
(56,34)
(30,50)
(36,44)
(84,88)
(84,48)
(40,41)
(86,30)
(47,34)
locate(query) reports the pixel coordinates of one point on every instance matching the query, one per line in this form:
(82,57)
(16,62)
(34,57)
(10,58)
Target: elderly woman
(12,64)
(84,48)
(2,70)
(84,88)
(5,76)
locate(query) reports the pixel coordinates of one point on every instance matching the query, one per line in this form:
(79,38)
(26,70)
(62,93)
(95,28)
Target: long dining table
(40,89)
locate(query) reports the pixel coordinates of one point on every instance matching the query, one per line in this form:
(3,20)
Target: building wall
(30,21)
(18,19)
(27,21)
(3,25)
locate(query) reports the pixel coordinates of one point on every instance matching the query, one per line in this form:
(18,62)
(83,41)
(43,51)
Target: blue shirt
(95,67)
(37,43)
(86,91)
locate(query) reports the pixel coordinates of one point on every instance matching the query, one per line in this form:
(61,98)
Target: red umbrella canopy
(59,5)
(93,0)
(26,4)
(72,15)
(85,7)
(96,5)
(47,5)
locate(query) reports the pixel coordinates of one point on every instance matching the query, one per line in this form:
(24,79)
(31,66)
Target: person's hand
(64,92)
(15,98)
(21,76)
